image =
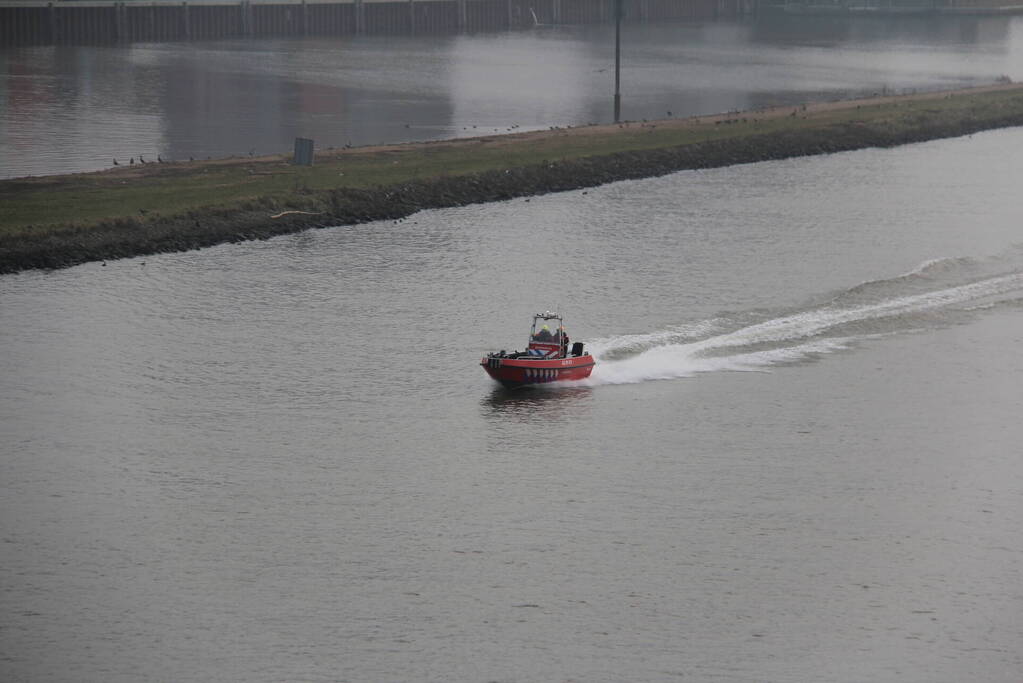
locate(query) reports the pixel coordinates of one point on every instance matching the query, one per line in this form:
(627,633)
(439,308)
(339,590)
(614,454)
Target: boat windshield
(547,331)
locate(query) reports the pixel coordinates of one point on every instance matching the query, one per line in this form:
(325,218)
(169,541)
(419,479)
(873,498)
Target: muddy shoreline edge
(264,218)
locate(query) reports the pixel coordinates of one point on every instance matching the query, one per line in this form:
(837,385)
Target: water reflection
(528,404)
(66,109)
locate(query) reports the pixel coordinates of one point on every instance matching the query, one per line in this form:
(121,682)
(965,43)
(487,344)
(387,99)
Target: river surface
(798,459)
(66,109)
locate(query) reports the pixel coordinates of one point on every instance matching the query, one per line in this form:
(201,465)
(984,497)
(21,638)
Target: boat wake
(938,293)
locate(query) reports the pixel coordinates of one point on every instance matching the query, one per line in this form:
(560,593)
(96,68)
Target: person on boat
(544,334)
(564,343)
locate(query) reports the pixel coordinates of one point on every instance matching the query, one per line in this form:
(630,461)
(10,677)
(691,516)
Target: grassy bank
(56,221)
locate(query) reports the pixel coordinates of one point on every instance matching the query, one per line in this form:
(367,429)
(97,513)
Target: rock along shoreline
(262,219)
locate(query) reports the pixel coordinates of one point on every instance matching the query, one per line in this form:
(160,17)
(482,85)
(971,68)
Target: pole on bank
(618,61)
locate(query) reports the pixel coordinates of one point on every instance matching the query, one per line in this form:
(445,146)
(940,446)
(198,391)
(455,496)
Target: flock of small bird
(143,162)
(159,160)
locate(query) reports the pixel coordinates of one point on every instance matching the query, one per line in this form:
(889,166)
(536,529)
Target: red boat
(547,357)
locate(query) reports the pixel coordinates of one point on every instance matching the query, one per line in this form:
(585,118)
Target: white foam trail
(937,264)
(640,342)
(789,339)
(674,362)
(814,322)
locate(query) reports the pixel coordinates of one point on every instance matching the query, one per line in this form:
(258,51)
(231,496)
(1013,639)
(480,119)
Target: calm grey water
(797,460)
(78,108)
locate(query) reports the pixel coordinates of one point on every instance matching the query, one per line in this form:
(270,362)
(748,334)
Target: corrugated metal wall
(91,22)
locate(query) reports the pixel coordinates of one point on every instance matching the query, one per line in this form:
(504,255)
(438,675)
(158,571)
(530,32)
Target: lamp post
(618,61)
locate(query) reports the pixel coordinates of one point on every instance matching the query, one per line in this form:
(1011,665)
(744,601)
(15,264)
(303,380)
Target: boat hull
(520,372)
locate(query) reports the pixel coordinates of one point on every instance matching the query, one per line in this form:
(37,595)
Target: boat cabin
(547,337)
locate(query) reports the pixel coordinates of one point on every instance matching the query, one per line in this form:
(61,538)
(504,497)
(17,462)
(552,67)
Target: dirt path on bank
(766,113)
